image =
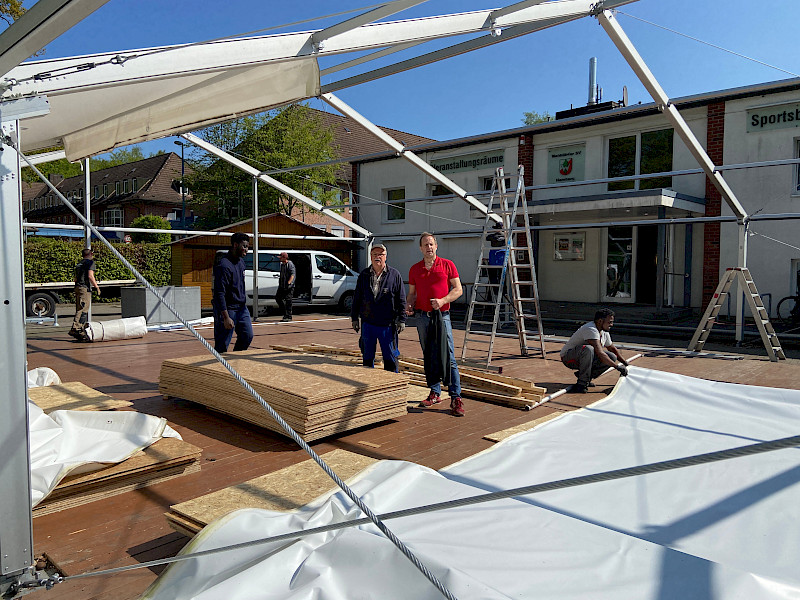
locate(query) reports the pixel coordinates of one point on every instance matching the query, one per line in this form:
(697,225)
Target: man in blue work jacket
(379,309)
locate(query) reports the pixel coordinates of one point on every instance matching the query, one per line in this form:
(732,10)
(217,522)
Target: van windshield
(266,262)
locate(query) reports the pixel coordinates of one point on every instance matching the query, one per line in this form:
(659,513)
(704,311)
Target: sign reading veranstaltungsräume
(470,162)
(566,163)
(780,116)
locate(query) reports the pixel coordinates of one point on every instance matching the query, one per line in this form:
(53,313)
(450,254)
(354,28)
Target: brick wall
(711,231)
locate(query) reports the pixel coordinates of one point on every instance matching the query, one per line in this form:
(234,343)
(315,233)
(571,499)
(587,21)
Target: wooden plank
(73,395)
(285,490)
(473,381)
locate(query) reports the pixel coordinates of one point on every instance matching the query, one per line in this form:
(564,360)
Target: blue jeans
(423,321)
(372,334)
(241,325)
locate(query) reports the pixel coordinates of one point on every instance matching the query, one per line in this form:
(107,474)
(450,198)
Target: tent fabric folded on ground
(70,442)
(723,530)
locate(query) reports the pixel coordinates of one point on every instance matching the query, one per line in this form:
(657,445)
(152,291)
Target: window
(486,183)
(125,187)
(116,188)
(437,189)
(97,191)
(337,230)
(797,167)
(105,190)
(320,227)
(113,217)
(330,266)
(646,152)
(396,210)
(134,185)
(266,262)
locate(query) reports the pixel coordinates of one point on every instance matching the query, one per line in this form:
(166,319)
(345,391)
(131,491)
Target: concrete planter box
(139,302)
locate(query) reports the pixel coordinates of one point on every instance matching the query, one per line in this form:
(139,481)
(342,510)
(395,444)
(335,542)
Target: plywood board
(73,395)
(165,459)
(284,490)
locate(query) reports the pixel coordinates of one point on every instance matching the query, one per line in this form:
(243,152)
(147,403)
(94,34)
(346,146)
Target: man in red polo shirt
(433,283)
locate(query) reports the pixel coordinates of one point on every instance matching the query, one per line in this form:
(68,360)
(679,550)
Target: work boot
(76,334)
(284,319)
(577,388)
(578,374)
(457,406)
(433,398)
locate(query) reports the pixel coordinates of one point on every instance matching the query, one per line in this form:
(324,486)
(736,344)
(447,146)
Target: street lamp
(183,189)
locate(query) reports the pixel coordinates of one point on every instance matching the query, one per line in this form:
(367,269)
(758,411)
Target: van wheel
(40,304)
(346,302)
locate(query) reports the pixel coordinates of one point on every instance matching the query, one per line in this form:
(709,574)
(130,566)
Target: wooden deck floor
(130,528)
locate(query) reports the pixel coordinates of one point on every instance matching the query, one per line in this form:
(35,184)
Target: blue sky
(487,90)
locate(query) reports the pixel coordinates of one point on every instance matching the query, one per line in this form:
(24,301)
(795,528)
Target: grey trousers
(587,364)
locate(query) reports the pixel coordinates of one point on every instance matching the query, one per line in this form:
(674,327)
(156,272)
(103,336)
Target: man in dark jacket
(379,309)
(286,281)
(229,300)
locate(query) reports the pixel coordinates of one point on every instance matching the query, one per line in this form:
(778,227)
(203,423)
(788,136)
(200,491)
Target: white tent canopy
(101,101)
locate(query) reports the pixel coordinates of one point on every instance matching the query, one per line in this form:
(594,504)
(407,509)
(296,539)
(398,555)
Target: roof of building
(596,118)
(155,178)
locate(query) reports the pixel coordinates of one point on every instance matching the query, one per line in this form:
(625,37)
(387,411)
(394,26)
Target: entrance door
(619,273)
(646,263)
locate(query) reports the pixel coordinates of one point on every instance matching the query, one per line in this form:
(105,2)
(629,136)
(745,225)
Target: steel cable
(272,413)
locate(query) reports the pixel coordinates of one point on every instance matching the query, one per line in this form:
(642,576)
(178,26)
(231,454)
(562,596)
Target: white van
(322,279)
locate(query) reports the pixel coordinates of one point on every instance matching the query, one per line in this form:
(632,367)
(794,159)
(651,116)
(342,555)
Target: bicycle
(788,309)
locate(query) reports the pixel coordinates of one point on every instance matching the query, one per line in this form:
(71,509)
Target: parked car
(322,279)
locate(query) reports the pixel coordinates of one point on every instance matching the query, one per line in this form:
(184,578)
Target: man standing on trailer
(591,351)
(286,282)
(433,283)
(379,309)
(84,282)
(229,299)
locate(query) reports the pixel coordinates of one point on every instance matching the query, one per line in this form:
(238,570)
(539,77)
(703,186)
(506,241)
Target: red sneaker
(457,406)
(433,398)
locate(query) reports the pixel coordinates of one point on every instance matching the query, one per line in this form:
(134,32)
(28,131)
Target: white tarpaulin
(727,530)
(72,441)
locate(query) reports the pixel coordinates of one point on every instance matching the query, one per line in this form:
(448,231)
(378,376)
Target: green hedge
(54,260)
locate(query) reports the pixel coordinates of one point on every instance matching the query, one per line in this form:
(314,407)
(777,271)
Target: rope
(657,467)
(272,413)
(755,60)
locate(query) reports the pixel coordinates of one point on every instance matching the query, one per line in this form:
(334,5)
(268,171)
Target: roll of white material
(118,329)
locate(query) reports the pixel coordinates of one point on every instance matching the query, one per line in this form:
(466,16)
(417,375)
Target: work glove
(400,327)
(623,370)
(356,326)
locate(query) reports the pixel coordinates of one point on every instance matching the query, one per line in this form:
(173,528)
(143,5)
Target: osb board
(315,378)
(165,459)
(73,395)
(507,433)
(284,490)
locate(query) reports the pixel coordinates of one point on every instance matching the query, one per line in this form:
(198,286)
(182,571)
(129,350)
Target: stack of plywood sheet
(287,489)
(166,459)
(318,396)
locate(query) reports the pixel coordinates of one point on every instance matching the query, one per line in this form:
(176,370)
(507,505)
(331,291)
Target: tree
(287,137)
(151,222)
(532,118)
(11,10)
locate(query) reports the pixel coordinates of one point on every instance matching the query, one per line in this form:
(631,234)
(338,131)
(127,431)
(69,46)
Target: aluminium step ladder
(498,276)
(747,286)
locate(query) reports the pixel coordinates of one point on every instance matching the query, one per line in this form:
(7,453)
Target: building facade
(118,195)
(595,241)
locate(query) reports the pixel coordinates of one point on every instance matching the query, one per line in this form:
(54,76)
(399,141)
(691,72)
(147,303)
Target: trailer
(41,298)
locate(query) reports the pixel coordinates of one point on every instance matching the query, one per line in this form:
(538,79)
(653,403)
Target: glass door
(620,268)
